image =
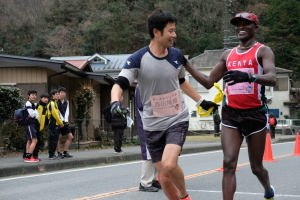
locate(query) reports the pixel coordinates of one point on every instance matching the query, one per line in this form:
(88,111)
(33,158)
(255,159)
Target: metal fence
(98,130)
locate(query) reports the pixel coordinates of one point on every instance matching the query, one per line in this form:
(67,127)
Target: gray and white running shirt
(157,76)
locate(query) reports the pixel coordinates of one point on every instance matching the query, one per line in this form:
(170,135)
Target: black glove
(207,104)
(116,111)
(236,76)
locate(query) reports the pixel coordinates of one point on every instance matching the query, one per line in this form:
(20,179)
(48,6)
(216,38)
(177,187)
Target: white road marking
(115,165)
(68,171)
(246,193)
(92,168)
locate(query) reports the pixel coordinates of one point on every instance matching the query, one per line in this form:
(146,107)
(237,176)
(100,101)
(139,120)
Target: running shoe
(31,159)
(36,157)
(67,155)
(148,189)
(271,195)
(60,155)
(54,157)
(156,184)
(187,198)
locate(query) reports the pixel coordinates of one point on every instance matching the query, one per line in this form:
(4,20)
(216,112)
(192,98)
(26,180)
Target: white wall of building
(197,122)
(279,97)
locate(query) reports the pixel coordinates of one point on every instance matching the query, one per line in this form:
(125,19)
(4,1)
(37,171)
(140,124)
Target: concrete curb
(190,150)
(281,140)
(31,168)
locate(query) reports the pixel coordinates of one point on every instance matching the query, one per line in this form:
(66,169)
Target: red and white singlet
(244,95)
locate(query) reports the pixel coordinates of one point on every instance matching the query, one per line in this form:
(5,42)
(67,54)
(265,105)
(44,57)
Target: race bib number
(166,104)
(242,88)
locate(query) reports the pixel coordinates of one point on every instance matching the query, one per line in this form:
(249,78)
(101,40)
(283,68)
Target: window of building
(281,84)
(39,87)
(98,60)
(8,84)
(198,87)
(275,112)
(194,113)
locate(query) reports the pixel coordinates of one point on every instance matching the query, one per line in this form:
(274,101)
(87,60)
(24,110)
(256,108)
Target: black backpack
(107,114)
(20,116)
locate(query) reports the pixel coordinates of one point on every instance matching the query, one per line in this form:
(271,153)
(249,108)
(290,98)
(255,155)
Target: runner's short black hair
(31,92)
(62,89)
(45,95)
(159,20)
(53,92)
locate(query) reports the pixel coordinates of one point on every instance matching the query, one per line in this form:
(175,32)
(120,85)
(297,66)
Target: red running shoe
(31,159)
(187,198)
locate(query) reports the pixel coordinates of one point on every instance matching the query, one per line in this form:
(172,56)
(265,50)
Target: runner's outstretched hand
(236,77)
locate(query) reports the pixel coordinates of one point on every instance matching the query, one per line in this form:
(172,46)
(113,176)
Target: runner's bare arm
(267,59)
(215,75)
(116,93)
(188,89)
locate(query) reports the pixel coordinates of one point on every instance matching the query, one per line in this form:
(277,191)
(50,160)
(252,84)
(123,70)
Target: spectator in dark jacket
(118,125)
(272,125)
(217,121)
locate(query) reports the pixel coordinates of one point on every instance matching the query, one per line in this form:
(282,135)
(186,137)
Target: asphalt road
(120,181)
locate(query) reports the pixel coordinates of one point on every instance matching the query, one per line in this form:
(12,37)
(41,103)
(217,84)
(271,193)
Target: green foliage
(84,27)
(98,134)
(283,21)
(131,143)
(80,106)
(110,27)
(90,96)
(11,99)
(15,134)
(37,48)
(85,99)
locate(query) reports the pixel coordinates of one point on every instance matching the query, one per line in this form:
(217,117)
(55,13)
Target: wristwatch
(253,78)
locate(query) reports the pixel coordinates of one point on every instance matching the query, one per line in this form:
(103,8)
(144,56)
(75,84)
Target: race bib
(166,104)
(242,88)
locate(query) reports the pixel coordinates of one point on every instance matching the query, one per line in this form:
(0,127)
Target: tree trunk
(1,135)
(84,132)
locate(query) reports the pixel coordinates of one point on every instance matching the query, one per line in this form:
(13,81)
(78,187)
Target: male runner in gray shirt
(158,68)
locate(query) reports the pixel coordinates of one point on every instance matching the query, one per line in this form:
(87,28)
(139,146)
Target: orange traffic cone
(268,155)
(297,146)
(222,169)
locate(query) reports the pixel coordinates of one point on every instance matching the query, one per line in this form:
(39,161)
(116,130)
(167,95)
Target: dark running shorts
(30,131)
(247,121)
(157,140)
(65,130)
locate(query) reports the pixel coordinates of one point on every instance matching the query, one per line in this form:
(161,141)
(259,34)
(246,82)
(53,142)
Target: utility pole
(225,23)
(227,38)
